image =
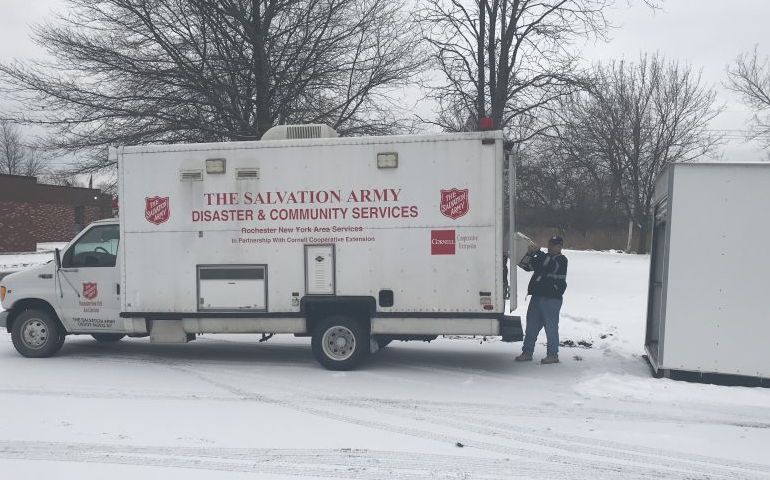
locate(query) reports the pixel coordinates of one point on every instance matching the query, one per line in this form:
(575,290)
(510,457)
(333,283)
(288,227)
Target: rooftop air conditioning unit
(294,132)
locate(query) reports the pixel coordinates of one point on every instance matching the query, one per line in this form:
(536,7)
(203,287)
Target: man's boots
(524,357)
(548,359)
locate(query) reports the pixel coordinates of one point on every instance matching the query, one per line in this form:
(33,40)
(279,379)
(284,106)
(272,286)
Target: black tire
(37,334)
(335,356)
(107,337)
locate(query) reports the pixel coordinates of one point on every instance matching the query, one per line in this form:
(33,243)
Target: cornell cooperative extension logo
(442,242)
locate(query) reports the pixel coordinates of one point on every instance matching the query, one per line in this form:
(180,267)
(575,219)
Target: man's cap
(556,240)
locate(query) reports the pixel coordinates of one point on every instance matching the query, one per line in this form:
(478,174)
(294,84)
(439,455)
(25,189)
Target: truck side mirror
(57,258)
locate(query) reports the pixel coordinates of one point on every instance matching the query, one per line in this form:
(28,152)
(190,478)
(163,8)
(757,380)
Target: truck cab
(78,291)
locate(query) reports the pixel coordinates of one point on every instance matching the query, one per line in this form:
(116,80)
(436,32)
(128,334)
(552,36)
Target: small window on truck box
(232,288)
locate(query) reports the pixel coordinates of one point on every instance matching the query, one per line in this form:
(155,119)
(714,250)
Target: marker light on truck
(2,294)
(215,165)
(387,160)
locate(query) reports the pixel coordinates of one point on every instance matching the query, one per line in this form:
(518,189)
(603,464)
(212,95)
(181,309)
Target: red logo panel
(89,290)
(454,203)
(442,242)
(156,209)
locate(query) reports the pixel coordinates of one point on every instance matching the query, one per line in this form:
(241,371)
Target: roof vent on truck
(294,132)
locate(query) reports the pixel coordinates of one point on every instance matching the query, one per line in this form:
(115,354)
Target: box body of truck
(707,311)
(408,232)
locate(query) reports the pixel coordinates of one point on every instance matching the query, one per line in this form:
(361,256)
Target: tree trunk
(630,235)
(643,241)
(480,103)
(263,121)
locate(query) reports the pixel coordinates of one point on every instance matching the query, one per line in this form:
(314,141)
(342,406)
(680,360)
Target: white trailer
(708,312)
(351,241)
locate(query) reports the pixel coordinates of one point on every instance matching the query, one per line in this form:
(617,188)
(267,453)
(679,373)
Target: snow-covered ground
(229,407)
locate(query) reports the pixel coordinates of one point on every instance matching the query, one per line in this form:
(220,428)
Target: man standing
(546,287)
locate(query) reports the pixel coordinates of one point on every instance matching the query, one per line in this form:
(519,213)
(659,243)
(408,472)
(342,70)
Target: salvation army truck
(353,242)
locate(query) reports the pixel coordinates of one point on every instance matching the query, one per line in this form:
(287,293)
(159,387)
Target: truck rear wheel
(37,334)
(340,343)
(107,337)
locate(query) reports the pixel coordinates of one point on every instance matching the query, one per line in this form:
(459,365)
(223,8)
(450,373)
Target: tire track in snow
(599,468)
(242,394)
(353,464)
(565,466)
(577,444)
(749,413)
(566,442)
(588,445)
(591,413)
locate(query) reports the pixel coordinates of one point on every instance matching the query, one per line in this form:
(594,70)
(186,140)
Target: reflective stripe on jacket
(550,277)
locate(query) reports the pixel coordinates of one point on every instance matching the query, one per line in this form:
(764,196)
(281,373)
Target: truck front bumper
(4,318)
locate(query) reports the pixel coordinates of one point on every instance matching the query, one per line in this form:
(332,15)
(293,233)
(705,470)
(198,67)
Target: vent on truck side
(303,131)
(191,175)
(247,173)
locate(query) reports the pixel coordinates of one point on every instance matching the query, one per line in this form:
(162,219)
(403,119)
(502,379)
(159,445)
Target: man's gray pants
(542,313)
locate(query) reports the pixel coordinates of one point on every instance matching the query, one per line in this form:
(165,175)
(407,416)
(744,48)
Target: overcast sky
(707,34)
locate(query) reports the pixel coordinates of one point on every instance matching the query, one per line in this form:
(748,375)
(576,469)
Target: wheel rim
(34,333)
(338,343)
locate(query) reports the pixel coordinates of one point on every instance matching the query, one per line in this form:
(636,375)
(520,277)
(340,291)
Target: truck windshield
(98,247)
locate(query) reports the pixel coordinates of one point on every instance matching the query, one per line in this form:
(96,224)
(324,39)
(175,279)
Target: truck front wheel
(340,343)
(107,337)
(37,334)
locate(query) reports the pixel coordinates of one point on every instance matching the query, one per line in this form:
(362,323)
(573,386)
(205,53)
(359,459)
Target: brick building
(32,212)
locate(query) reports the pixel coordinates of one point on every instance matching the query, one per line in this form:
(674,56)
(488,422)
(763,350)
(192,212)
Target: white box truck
(708,314)
(353,242)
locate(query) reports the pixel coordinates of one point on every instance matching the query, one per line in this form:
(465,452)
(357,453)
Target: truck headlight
(2,293)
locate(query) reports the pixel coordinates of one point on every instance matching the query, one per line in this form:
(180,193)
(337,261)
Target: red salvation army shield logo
(454,203)
(89,290)
(156,209)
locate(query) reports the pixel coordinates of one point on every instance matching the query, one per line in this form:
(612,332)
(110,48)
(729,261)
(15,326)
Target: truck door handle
(117,288)
(69,270)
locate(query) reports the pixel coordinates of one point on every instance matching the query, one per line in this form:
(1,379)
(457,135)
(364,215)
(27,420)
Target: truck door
(89,281)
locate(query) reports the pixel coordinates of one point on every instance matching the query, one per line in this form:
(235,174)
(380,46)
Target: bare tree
(35,163)
(637,118)
(749,76)
(11,149)
(140,71)
(62,176)
(506,59)
(17,158)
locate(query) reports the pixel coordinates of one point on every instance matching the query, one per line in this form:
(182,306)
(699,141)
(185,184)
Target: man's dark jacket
(550,277)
